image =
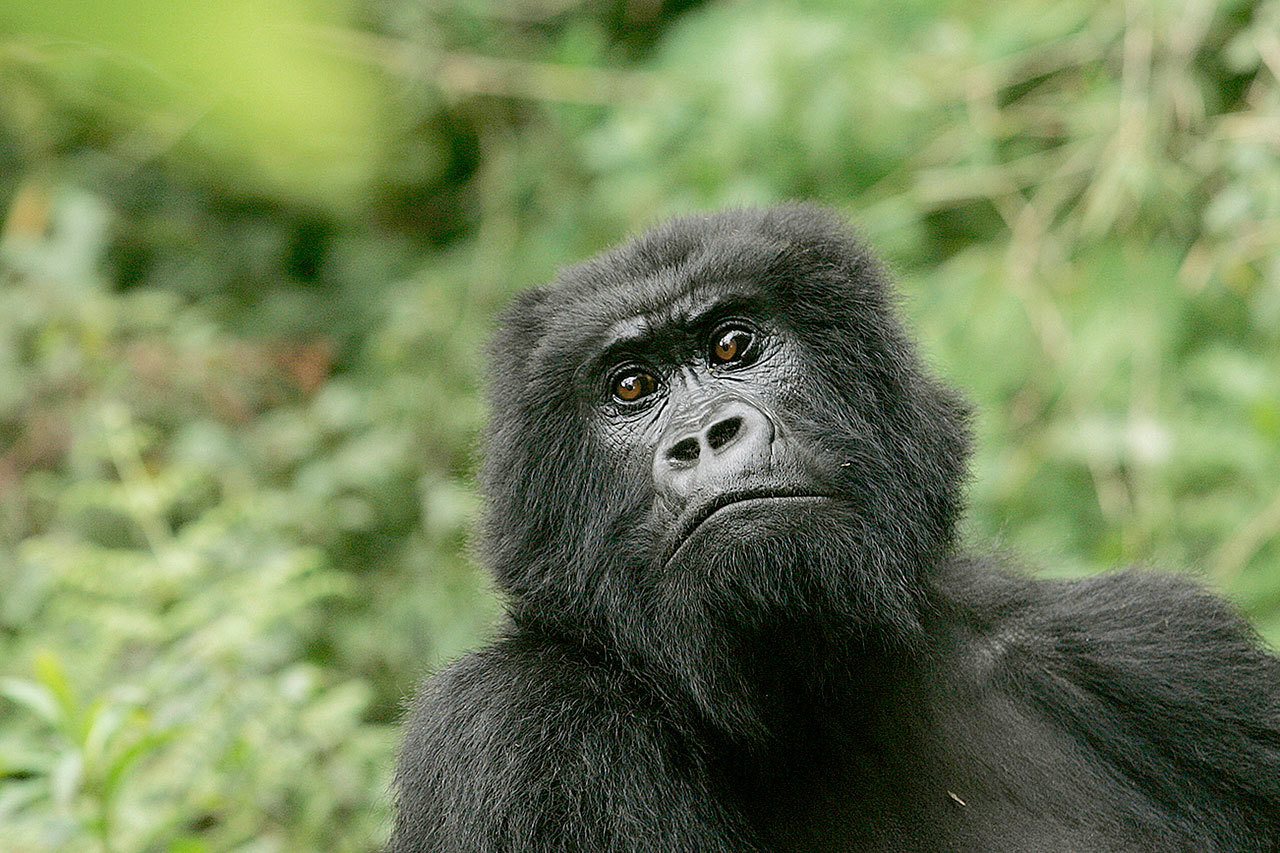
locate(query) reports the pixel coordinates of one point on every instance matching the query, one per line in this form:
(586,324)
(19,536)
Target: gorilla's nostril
(724,432)
(685,450)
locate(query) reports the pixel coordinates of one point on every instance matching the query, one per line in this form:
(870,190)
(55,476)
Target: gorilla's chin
(738,518)
(756,562)
(749,556)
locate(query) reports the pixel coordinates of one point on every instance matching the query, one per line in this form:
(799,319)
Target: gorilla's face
(693,399)
(721,420)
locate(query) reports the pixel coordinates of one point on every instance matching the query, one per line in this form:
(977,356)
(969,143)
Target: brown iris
(730,346)
(631,385)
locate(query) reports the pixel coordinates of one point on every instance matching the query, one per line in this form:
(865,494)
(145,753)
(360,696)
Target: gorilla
(721,498)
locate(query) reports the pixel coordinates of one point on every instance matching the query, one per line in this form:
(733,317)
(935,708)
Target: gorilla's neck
(747,639)
(752,680)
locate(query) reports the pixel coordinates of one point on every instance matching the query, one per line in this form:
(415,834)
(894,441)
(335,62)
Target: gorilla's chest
(1025,789)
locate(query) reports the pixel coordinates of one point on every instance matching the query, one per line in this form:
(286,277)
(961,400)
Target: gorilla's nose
(733,440)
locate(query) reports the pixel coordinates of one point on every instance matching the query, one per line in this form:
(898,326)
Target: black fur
(820,669)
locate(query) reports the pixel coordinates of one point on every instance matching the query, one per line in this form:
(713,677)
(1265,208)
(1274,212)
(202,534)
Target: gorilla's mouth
(704,512)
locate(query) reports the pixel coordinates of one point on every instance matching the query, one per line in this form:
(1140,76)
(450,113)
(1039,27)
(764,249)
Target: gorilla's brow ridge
(691,313)
(688,313)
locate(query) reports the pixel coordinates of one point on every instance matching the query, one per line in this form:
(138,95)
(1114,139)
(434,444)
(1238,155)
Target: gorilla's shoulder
(501,697)
(1130,618)
(495,740)
(534,744)
(1152,669)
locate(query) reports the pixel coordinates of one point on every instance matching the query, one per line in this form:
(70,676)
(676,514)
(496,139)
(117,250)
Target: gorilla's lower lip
(734,499)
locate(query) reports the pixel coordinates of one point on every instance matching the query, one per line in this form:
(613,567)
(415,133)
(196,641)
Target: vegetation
(250,253)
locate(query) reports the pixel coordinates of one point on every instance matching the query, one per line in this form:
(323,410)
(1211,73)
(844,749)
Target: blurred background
(251,252)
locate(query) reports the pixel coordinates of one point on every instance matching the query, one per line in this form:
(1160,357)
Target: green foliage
(147,76)
(240,356)
(187,664)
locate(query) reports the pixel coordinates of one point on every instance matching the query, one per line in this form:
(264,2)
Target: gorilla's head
(717,429)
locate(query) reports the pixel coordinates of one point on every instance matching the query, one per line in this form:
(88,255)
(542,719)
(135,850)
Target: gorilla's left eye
(731,344)
(632,384)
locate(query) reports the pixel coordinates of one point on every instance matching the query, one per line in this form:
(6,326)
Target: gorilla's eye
(633,383)
(731,344)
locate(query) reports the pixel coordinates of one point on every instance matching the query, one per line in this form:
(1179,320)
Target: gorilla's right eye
(632,384)
(730,344)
